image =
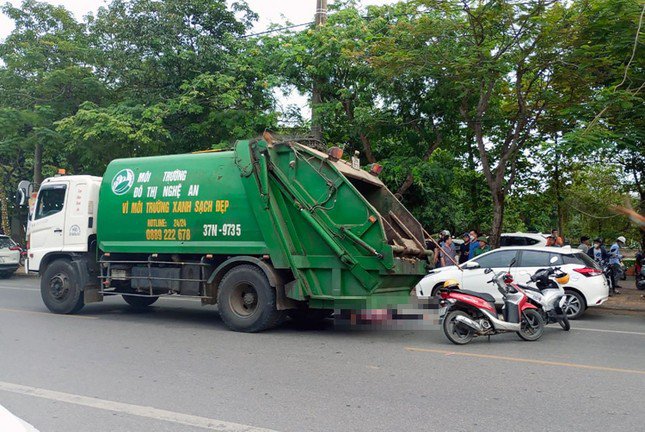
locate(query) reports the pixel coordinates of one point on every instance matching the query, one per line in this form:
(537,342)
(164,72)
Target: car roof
(566,250)
(522,234)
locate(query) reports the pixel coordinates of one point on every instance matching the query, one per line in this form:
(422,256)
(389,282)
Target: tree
(504,57)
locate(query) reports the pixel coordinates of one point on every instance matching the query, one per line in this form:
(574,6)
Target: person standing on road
(464,249)
(439,258)
(584,244)
(598,251)
(474,244)
(614,260)
(554,239)
(482,246)
(449,254)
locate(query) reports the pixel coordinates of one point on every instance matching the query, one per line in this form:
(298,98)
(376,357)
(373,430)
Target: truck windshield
(50,201)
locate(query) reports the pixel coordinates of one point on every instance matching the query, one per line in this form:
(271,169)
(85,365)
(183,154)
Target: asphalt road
(177,368)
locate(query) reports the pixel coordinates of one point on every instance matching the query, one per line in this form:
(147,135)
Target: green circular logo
(122,181)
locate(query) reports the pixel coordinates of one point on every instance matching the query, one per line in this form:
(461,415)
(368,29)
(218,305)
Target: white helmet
(621,239)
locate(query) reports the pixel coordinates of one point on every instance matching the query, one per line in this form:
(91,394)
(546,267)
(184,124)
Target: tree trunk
(499,202)
(405,186)
(316,100)
(38,166)
(4,211)
(367,148)
(316,93)
(558,200)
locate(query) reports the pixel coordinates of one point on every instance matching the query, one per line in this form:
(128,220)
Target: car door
(532,260)
(47,223)
(6,254)
(475,279)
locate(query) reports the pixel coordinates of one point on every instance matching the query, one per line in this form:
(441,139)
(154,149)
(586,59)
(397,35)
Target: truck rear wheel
(246,301)
(140,302)
(59,288)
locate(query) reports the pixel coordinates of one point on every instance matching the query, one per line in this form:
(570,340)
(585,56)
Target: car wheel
(435,290)
(574,304)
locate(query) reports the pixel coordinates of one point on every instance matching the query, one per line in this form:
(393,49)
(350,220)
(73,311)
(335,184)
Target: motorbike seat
(484,296)
(528,287)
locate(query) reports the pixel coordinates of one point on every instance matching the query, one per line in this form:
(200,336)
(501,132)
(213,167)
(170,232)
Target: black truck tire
(140,302)
(59,288)
(246,301)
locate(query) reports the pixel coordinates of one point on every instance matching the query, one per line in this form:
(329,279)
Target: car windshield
(5,242)
(581,259)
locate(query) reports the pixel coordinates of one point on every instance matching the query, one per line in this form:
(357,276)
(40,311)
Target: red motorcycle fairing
(472,300)
(524,303)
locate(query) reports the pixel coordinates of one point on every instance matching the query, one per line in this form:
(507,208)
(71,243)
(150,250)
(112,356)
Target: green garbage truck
(266,230)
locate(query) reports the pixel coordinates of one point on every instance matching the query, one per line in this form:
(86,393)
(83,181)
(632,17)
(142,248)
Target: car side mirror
(470,265)
(553,259)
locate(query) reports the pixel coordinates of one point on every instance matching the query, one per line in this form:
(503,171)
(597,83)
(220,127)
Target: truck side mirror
(25,189)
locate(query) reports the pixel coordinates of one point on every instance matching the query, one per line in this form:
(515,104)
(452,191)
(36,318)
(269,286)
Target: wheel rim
(244,300)
(458,331)
(571,304)
(59,286)
(530,324)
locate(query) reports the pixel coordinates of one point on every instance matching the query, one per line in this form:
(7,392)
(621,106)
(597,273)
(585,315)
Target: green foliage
(521,115)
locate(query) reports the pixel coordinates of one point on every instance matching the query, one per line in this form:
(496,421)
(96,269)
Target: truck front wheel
(246,301)
(59,288)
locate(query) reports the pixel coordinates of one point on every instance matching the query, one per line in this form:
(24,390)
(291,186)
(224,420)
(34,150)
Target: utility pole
(316,93)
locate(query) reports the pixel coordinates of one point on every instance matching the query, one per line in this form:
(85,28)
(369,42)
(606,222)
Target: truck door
(47,223)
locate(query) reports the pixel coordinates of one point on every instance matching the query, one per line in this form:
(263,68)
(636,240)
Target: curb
(622,308)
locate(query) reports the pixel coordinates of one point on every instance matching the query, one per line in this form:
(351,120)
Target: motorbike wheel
(564,323)
(531,326)
(457,333)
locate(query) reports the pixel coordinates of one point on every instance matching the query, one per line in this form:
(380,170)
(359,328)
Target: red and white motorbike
(470,314)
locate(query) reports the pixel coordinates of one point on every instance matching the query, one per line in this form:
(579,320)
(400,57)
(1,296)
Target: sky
(270,11)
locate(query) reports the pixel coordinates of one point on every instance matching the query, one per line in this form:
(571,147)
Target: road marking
(525,360)
(136,410)
(46,313)
(18,288)
(608,331)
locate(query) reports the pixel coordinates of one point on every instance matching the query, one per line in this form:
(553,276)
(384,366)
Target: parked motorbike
(640,272)
(548,295)
(470,314)
(607,271)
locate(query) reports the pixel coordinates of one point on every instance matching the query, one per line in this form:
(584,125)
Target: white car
(587,285)
(522,239)
(9,256)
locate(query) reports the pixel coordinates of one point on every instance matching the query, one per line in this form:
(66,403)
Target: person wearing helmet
(614,260)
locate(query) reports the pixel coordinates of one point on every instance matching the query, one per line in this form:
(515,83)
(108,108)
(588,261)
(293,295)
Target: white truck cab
(63,219)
